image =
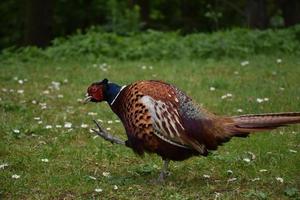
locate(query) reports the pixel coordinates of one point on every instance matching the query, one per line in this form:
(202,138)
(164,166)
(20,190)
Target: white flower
(68,125)
(244,63)
(69,130)
(228,95)
(58,126)
(33,101)
(281,88)
(229,171)
(40,122)
(256,179)
(217,195)
(98,190)
(44,160)
(236,72)
(144,67)
(92,177)
(253,156)
(259,100)
(232,179)
(103,68)
(91,131)
(279,60)
(106,174)
(43,105)
(46,92)
(84,125)
(150,67)
(16,131)
(70,110)
(20,82)
(239,110)
(2,166)
(279,179)
(115,187)
(55,85)
(109,121)
(37,118)
(4,90)
(117,121)
(48,126)
(15,176)
(206,176)
(223,97)
(281,132)
(108,128)
(246,160)
(20,91)
(263,170)
(42,142)
(212,88)
(92,113)
(60,96)
(292,151)
(104,65)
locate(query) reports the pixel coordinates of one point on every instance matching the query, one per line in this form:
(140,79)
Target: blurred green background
(34,22)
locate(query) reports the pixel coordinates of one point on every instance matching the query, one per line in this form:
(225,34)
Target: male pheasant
(159,118)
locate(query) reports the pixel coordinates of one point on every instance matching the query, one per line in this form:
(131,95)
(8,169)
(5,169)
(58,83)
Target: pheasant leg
(164,171)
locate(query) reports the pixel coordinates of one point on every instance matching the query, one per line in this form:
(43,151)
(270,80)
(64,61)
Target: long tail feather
(260,122)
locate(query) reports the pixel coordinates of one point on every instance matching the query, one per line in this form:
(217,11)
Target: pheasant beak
(87,99)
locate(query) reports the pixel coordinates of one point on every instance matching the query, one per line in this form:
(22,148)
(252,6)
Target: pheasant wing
(168,125)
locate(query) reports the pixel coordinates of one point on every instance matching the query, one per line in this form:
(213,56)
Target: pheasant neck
(112,92)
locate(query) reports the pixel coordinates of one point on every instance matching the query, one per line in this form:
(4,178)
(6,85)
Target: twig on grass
(106,135)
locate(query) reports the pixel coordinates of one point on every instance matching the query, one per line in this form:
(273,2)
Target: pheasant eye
(93,90)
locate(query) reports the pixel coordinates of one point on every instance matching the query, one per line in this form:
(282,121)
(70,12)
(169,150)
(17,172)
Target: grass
(75,156)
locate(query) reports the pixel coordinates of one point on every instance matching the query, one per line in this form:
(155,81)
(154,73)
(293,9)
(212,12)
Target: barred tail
(245,124)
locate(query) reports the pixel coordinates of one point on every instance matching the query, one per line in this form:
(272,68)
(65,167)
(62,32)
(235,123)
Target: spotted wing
(167,124)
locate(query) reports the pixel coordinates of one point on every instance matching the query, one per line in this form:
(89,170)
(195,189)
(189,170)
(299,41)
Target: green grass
(74,154)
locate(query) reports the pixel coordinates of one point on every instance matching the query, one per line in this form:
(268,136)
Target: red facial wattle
(96,93)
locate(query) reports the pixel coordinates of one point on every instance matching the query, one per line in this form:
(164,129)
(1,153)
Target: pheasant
(159,118)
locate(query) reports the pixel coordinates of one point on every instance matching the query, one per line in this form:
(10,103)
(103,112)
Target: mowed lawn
(48,152)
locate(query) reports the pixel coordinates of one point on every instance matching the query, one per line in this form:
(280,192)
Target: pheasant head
(102,91)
